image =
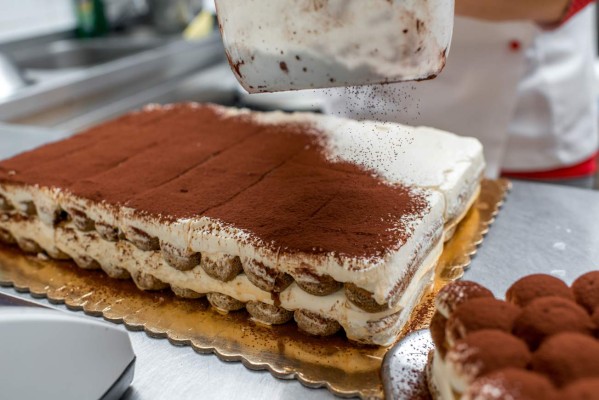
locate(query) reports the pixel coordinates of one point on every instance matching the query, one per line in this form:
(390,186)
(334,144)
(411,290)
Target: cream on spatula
(278,45)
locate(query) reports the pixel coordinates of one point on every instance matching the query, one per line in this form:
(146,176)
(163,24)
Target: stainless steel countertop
(541,228)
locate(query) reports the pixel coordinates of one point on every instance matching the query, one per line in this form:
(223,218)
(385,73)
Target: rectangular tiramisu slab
(333,223)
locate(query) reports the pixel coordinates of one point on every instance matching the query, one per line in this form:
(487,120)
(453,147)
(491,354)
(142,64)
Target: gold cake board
(345,368)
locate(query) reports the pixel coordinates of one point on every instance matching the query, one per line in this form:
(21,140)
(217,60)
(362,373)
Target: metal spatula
(277,45)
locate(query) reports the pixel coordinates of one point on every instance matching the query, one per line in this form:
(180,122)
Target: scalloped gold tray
(345,368)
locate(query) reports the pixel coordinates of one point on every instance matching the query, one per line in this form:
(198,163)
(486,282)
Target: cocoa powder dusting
(284,67)
(272,181)
(535,286)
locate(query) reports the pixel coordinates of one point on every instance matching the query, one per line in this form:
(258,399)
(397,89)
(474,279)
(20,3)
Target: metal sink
(80,54)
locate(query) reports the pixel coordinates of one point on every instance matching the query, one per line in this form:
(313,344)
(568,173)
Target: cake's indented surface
(546,346)
(268,211)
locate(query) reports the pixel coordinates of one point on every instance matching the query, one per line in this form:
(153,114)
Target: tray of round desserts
(298,243)
(541,342)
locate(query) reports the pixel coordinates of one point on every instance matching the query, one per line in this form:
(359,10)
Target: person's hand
(541,11)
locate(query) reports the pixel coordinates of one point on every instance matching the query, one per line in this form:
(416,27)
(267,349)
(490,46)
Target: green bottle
(91,18)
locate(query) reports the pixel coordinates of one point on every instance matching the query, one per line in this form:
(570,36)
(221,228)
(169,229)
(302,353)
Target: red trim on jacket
(575,7)
(581,170)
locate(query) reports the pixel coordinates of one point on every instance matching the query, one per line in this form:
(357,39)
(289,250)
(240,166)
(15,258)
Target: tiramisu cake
(541,343)
(333,223)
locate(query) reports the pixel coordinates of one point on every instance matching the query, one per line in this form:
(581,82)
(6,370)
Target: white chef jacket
(527,93)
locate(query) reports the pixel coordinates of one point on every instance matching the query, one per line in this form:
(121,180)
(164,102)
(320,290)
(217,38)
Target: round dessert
(566,357)
(511,383)
(478,314)
(548,316)
(539,344)
(452,295)
(595,320)
(437,328)
(483,352)
(531,287)
(583,389)
(586,290)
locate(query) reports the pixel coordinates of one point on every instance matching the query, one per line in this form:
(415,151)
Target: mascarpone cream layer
(206,235)
(377,328)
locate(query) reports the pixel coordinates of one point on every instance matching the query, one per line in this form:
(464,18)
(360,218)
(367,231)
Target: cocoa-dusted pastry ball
(566,357)
(548,316)
(478,314)
(595,319)
(531,287)
(511,383)
(437,329)
(486,351)
(582,389)
(456,293)
(586,290)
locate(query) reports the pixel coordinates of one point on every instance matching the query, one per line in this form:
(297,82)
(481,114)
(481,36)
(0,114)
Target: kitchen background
(26,18)
(68,64)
